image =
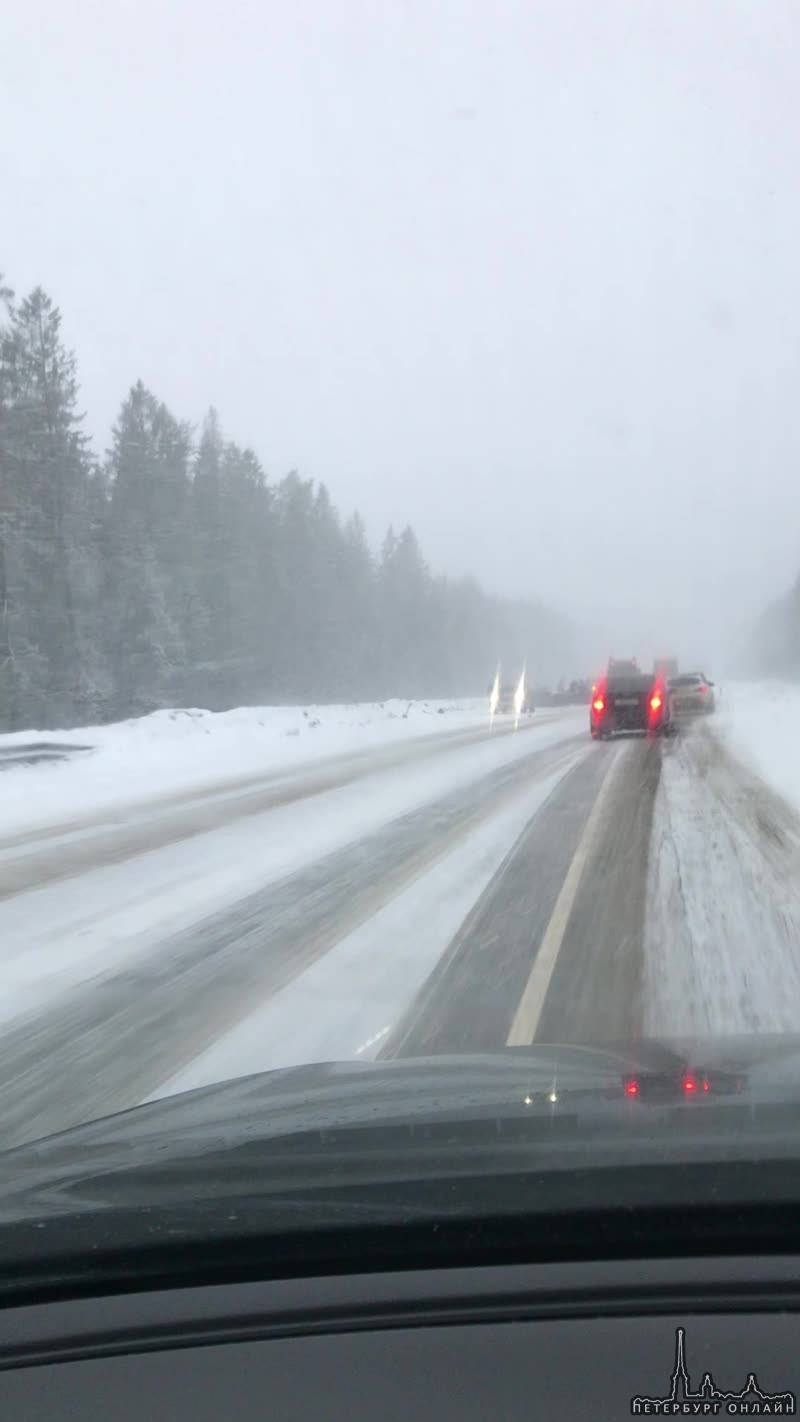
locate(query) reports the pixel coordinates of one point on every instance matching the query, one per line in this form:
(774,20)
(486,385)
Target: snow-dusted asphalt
(457,892)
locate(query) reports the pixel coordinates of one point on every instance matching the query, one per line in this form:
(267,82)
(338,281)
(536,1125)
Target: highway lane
(561,944)
(573,891)
(90,840)
(110,1043)
(657,893)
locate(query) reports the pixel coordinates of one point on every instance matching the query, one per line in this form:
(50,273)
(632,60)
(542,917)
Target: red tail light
(689,1084)
(655,702)
(599,704)
(703,690)
(631,1088)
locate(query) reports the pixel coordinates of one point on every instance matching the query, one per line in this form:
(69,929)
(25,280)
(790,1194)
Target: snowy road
(453,893)
(89,839)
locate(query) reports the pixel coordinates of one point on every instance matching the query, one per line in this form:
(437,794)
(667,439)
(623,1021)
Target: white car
(691,693)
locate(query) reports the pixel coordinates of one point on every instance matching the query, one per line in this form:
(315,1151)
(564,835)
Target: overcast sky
(524,274)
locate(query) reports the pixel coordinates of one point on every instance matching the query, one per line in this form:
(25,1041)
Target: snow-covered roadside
(722,938)
(346,1003)
(82,929)
(722,931)
(131,762)
(760,723)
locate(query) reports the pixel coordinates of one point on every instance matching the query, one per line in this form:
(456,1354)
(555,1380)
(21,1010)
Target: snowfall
(708,892)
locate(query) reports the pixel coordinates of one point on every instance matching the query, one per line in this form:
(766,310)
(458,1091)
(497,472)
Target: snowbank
(760,723)
(161,754)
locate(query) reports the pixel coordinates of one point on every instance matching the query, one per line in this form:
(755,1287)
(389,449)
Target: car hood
(334,1126)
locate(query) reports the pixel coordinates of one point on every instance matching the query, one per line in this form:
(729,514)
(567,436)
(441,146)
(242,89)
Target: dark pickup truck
(628,699)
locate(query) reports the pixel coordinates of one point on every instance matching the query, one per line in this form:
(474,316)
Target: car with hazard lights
(629,701)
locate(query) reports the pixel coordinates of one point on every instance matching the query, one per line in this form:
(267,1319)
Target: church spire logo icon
(709,1400)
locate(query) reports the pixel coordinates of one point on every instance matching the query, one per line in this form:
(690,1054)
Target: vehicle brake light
(655,702)
(706,1086)
(689,1084)
(703,690)
(631,1088)
(599,704)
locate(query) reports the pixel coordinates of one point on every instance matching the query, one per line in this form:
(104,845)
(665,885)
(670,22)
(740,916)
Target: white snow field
(760,723)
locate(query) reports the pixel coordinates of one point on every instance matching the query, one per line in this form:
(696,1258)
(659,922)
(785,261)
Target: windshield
(395,401)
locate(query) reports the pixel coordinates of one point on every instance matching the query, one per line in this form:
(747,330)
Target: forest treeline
(172,571)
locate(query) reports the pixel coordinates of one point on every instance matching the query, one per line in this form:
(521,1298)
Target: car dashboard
(564,1340)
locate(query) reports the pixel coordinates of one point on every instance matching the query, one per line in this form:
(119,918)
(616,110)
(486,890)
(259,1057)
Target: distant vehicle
(617,666)
(665,667)
(577,693)
(627,699)
(692,693)
(506,705)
